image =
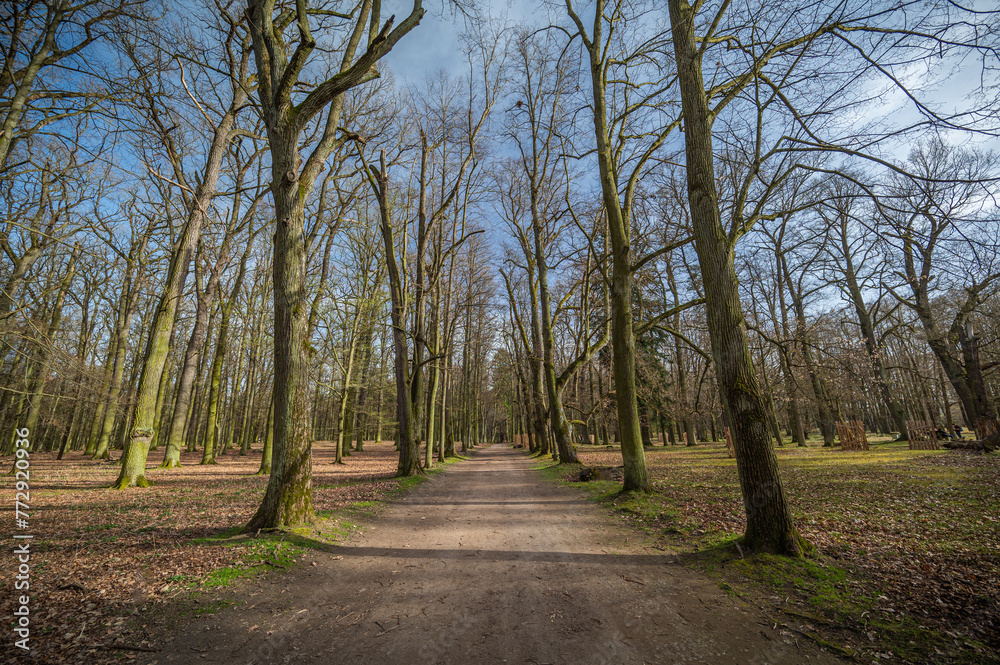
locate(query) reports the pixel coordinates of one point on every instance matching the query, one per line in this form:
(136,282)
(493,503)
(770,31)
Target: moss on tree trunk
(288,498)
(770,527)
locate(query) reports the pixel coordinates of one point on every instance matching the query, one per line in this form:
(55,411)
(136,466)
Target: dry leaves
(919,528)
(99,555)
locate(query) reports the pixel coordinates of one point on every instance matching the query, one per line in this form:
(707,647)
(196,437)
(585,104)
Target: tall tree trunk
(288,499)
(409,454)
(186,380)
(770,527)
(622,335)
(44,355)
(636,477)
(133,473)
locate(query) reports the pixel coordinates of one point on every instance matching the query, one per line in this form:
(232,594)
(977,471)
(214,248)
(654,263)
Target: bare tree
(941,231)
(855,264)
(628,105)
(44,38)
(281,65)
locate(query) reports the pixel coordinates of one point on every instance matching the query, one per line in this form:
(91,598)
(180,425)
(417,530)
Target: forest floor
(487,563)
(908,542)
(490,562)
(101,559)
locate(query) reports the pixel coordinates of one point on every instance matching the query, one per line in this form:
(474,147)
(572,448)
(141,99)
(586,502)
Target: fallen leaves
(920,528)
(100,556)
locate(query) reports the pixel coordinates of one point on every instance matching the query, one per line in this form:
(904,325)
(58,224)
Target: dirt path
(489,563)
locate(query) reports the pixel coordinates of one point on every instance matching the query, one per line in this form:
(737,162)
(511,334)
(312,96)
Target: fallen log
(987,445)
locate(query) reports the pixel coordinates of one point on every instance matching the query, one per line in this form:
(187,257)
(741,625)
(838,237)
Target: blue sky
(435,43)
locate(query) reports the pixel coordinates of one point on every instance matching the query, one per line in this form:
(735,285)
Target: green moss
(263,554)
(224,537)
(409,482)
(213,606)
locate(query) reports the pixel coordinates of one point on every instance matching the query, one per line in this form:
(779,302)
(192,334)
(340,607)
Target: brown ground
(488,563)
(908,540)
(102,558)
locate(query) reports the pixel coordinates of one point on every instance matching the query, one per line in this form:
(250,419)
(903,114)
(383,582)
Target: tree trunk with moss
(186,380)
(98,443)
(288,499)
(636,478)
(133,473)
(770,527)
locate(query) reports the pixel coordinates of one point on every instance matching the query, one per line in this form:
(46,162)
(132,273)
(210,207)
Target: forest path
(488,563)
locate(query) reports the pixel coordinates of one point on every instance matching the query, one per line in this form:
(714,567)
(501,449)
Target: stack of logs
(852,435)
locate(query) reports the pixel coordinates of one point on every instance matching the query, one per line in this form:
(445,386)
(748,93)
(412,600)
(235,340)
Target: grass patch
(261,555)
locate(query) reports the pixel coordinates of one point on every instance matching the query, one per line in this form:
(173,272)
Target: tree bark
(288,499)
(409,453)
(770,527)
